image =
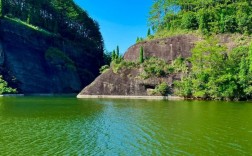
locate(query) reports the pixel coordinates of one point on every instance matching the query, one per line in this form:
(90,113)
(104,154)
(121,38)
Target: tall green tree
(1,10)
(141,55)
(149,32)
(117,52)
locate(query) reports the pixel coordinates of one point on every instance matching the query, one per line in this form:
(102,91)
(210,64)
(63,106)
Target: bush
(59,59)
(162,89)
(141,55)
(120,64)
(4,89)
(159,68)
(104,68)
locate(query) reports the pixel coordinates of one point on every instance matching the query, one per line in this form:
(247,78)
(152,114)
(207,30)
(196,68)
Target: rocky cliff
(28,65)
(127,81)
(167,49)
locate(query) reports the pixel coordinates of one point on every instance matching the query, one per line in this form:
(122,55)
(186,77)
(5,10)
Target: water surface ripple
(68,126)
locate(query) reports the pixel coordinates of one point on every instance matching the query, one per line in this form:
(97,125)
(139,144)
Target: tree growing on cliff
(208,16)
(1,14)
(141,56)
(149,32)
(63,17)
(113,55)
(117,52)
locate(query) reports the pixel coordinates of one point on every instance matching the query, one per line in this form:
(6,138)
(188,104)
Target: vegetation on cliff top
(59,59)
(61,17)
(207,16)
(217,73)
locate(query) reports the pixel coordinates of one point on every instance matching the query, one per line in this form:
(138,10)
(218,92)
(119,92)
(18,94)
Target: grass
(18,21)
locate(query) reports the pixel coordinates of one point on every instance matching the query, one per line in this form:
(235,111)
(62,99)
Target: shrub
(59,59)
(104,68)
(4,89)
(162,89)
(119,64)
(141,55)
(155,67)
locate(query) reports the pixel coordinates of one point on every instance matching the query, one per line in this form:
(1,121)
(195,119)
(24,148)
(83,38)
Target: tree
(113,55)
(220,16)
(117,52)
(141,56)
(250,58)
(149,32)
(1,10)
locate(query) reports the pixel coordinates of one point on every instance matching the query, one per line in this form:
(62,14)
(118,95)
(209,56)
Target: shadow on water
(47,107)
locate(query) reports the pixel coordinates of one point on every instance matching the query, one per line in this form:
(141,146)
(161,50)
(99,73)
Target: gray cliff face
(126,82)
(167,49)
(24,65)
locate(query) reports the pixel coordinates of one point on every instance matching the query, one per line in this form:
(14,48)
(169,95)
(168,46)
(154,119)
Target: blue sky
(121,22)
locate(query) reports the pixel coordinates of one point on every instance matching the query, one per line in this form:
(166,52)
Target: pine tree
(141,57)
(250,58)
(149,32)
(1,10)
(137,40)
(113,55)
(117,52)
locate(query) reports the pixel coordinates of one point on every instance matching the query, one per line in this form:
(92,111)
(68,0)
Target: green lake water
(70,126)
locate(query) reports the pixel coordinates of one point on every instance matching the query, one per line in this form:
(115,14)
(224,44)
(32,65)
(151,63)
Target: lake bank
(129,97)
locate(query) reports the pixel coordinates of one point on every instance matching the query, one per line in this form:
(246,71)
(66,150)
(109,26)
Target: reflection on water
(68,126)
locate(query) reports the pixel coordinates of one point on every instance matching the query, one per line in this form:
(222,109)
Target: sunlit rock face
(127,82)
(167,48)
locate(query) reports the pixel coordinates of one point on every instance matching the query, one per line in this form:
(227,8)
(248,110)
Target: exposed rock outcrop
(127,82)
(167,49)
(24,65)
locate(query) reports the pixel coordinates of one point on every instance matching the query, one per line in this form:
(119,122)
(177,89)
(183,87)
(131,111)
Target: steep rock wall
(126,82)
(167,49)
(24,65)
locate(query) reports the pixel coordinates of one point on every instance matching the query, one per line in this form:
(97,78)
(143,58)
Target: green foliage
(120,64)
(184,87)
(250,58)
(216,73)
(141,55)
(117,52)
(4,89)
(107,57)
(59,59)
(148,32)
(56,16)
(210,17)
(104,68)
(189,21)
(18,21)
(162,89)
(156,67)
(113,55)
(1,13)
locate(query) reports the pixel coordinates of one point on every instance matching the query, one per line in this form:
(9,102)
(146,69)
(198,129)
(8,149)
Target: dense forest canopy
(62,17)
(208,16)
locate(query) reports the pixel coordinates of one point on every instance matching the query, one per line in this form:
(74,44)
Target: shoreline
(39,95)
(129,97)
